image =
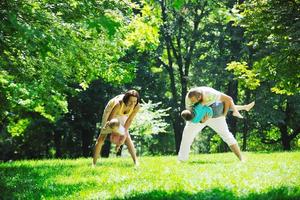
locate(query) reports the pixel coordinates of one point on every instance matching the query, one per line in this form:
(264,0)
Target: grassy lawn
(206,176)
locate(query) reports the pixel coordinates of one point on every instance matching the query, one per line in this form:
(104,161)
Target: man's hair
(187,115)
(194,93)
(131,93)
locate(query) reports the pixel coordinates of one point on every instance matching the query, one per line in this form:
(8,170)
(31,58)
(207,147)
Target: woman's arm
(107,111)
(110,116)
(114,111)
(131,117)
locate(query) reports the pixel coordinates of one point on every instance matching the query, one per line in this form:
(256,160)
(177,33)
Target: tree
(58,49)
(273,61)
(272,29)
(150,121)
(180,38)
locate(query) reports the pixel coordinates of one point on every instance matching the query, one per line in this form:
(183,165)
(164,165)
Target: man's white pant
(192,129)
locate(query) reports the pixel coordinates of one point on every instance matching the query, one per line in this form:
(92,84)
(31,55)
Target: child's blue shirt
(200,111)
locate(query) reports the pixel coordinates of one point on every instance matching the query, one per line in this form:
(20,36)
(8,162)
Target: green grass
(206,176)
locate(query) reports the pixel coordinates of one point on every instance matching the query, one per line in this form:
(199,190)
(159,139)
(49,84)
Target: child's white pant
(191,130)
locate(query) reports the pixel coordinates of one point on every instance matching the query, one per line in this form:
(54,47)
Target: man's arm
(201,113)
(227,101)
(205,118)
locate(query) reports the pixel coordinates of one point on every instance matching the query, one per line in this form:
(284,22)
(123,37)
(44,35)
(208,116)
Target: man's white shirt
(210,96)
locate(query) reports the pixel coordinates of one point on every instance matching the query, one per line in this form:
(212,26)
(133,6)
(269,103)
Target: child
(207,96)
(117,132)
(213,111)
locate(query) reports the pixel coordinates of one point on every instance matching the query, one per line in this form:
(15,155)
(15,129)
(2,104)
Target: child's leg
(245,107)
(123,138)
(116,139)
(235,110)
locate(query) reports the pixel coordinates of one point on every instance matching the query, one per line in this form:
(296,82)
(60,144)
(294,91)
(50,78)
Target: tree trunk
(285,141)
(119,153)
(106,148)
(86,139)
(178,129)
(231,121)
(246,127)
(283,127)
(183,60)
(177,124)
(57,143)
(245,135)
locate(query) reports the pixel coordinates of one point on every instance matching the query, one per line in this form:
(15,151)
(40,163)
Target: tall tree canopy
(272,28)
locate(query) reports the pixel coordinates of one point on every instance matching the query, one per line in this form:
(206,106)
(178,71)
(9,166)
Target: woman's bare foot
(250,105)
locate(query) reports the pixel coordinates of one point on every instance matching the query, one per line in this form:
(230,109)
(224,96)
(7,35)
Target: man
(207,96)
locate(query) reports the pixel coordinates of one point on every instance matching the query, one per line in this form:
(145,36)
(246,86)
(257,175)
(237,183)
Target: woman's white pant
(191,130)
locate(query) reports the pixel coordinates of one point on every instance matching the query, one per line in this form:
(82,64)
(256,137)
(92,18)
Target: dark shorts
(217,108)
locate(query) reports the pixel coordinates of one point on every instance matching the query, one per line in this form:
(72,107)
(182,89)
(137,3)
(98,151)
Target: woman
(123,108)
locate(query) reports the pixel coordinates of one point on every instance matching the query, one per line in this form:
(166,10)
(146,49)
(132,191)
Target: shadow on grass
(282,193)
(39,181)
(203,162)
(115,164)
(23,182)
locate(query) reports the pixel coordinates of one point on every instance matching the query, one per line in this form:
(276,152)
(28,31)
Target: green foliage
(16,129)
(58,48)
(143,32)
(273,30)
(245,76)
(150,119)
(178,4)
(51,53)
(207,176)
(218,44)
(148,127)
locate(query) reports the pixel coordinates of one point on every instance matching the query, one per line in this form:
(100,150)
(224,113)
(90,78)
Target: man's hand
(205,118)
(224,114)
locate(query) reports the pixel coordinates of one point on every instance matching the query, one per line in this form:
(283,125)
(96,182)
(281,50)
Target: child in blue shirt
(213,111)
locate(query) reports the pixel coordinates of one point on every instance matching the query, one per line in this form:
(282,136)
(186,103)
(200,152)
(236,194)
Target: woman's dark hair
(131,93)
